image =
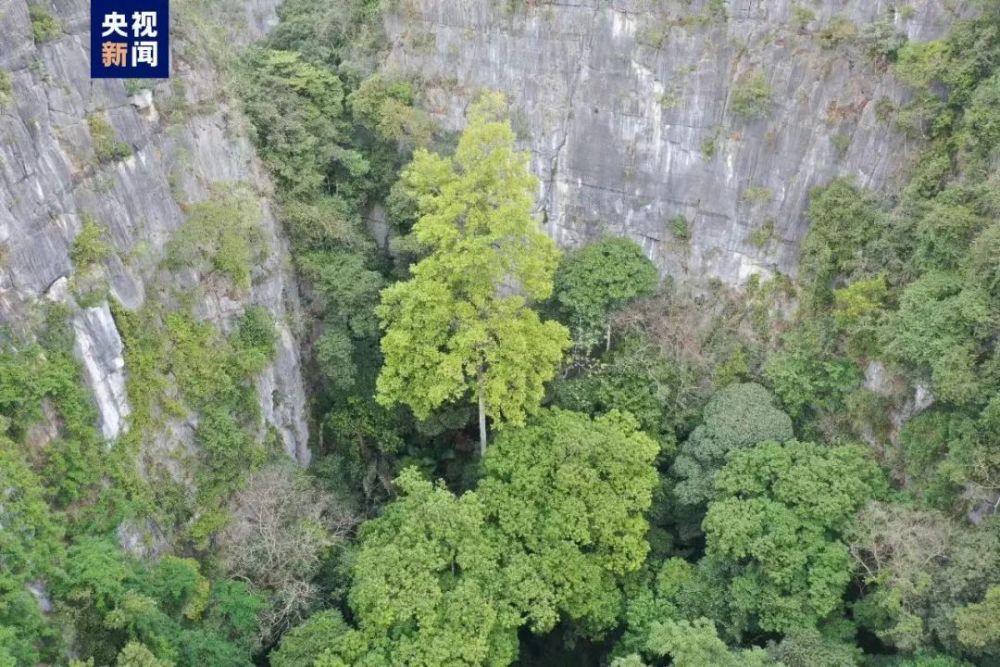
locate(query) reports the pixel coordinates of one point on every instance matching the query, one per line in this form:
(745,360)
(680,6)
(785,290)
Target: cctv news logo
(129,39)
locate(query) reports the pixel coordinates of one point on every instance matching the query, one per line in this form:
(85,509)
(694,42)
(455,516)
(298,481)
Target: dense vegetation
(521,455)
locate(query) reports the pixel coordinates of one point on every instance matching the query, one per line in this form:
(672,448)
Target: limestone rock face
(180,138)
(630,111)
(99,347)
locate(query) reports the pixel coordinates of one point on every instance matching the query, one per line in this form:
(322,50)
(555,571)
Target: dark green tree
(593,282)
(774,534)
(736,417)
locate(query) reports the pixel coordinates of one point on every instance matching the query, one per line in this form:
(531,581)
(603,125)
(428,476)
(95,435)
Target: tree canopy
(550,533)
(775,531)
(598,279)
(461,324)
(737,416)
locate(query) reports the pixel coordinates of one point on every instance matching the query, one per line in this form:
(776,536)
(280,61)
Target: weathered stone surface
(99,347)
(183,139)
(626,107)
(141,539)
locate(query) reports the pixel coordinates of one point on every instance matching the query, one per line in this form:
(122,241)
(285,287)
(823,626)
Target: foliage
(806,376)
(857,309)
(838,30)
(385,106)
(297,111)
(692,644)
(942,325)
(223,234)
(923,572)
(756,195)
(598,279)
(254,339)
(137,655)
(346,35)
(842,220)
(943,234)
(805,647)
(679,225)
(30,549)
(775,530)
(751,97)
(979,265)
(117,601)
(900,284)
(182,367)
(882,41)
(445,579)
(306,642)
(44,25)
(427,590)
(568,536)
(90,246)
(634,378)
(568,494)
(659,593)
(6,88)
(802,16)
(737,416)
(334,139)
(345,291)
(978,624)
(43,381)
(461,324)
(107,147)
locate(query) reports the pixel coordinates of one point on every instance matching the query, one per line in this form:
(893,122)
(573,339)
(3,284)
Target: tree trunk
(607,344)
(482,423)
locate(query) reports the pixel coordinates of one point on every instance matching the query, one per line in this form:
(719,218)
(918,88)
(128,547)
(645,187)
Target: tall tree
(462,323)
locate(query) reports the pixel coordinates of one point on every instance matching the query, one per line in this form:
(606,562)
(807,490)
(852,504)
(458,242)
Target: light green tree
(569,494)
(694,644)
(697,644)
(462,323)
(303,644)
(549,534)
(136,654)
(427,587)
(979,624)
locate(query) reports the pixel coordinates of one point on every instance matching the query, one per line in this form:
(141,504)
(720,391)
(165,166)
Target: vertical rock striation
(174,141)
(629,110)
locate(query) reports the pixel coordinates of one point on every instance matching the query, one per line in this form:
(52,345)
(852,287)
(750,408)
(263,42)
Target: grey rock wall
(99,347)
(626,107)
(183,138)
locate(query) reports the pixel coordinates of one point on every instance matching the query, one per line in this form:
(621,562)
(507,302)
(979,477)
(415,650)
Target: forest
(527,455)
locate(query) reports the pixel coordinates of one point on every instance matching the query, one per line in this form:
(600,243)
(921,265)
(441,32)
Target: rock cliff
(641,115)
(634,112)
(129,160)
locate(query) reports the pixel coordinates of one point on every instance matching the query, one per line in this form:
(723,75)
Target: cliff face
(630,108)
(632,111)
(129,161)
